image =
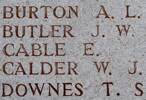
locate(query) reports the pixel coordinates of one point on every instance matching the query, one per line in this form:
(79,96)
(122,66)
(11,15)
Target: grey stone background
(118,50)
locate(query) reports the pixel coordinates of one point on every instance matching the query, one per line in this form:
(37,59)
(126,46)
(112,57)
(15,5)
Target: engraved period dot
(103,36)
(138,17)
(110,73)
(118,94)
(140,73)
